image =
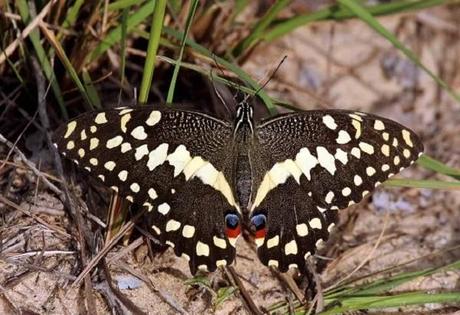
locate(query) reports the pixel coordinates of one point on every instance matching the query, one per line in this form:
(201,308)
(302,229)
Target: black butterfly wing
(173,162)
(312,164)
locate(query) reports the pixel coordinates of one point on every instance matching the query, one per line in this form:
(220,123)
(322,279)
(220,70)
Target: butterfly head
(244,116)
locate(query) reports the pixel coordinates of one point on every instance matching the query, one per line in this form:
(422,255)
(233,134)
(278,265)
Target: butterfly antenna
(269,78)
(219,96)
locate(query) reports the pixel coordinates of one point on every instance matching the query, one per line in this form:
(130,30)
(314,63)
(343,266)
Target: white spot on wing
(302,229)
(357,125)
(370,171)
(406,137)
(329,122)
(154,118)
(114,142)
(366,147)
(346,191)
(141,151)
(306,161)
(125,147)
(219,242)
(110,165)
(329,197)
(93,143)
(135,187)
(157,156)
(164,208)
(357,180)
(326,159)
(152,194)
(70,129)
(341,156)
(315,223)
(291,248)
(188,231)
(202,249)
(123,175)
(123,121)
(100,119)
(273,263)
(378,125)
(274,241)
(356,152)
(172,225)
(194,165)
(343,137)
(178,159)
(385,149)
(139,133)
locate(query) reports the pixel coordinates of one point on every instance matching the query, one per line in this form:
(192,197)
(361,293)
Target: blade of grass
(91,90)
(437,166)
(338,13)
(260,27)
(45,64)
(235,69)
(423,183)
(188,24)
(122,4)
(398,300)
(154,41)
(124,31)
(363,14)
(114,36)
(67,64)
(382,285)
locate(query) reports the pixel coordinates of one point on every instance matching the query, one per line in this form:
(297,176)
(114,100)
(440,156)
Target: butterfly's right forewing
(173,163)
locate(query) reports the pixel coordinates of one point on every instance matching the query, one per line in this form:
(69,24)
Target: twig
(234,279)
(32,167)
(27,30)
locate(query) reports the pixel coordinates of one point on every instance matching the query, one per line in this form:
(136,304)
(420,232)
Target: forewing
(312,164)
(172,162)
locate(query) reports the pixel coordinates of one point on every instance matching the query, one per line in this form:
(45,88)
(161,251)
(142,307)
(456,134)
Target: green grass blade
(235,69)
(260,27)
(397,300)
(91,90)
(383,285)
(188,24)
(423,183)
(154,42)
(42,57)
(124,31)
(114,36)
(122,4)
(437,166)
(337,13)
(71,16)
(362,13)
(68,66)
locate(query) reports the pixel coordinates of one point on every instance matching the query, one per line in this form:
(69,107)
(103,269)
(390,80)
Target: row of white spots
(303,164)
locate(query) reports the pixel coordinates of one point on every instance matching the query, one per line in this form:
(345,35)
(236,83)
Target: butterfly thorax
(243,136)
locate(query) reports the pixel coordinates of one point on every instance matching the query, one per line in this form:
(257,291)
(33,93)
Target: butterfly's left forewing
(311,164)
(172,162)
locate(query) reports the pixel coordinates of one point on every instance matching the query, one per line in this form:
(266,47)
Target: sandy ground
(329,65)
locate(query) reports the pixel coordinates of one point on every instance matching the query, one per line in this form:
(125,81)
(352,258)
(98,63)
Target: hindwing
(172,162)
(311,164)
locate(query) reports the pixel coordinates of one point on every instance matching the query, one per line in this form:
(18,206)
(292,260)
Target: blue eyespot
(258,221)
(232,221)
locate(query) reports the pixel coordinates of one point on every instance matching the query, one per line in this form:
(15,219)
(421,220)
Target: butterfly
(202,179)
